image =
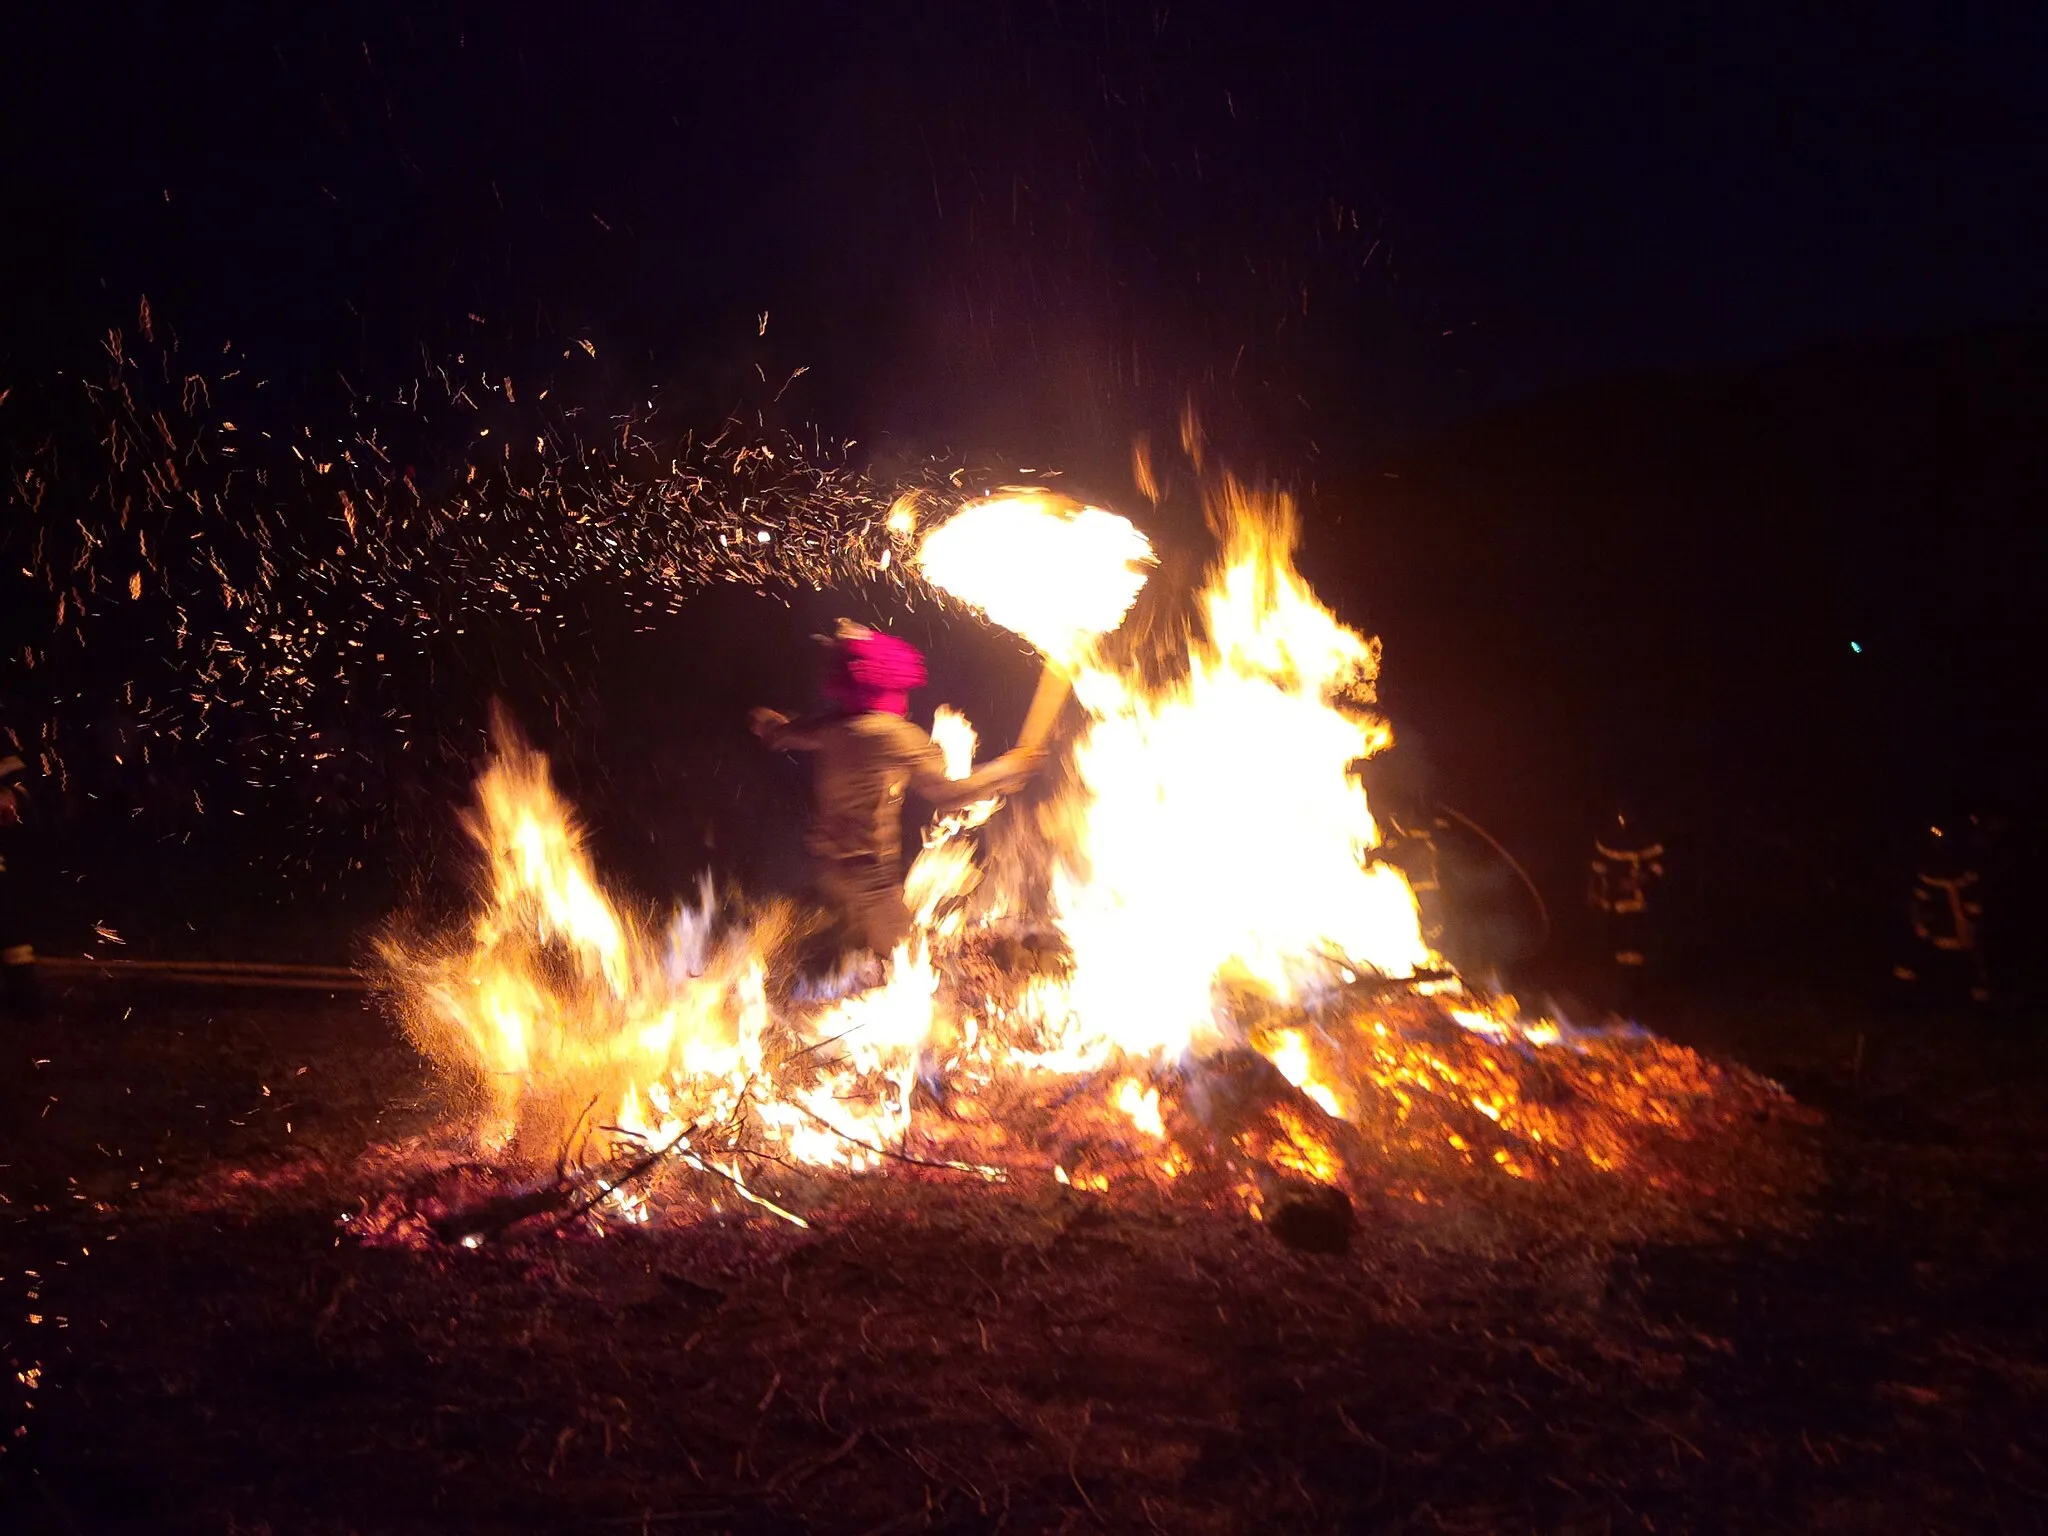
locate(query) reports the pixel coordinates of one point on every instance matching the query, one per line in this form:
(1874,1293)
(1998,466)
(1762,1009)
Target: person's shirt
(864,765)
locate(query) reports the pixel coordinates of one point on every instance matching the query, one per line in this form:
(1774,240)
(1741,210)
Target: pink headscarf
(878,673)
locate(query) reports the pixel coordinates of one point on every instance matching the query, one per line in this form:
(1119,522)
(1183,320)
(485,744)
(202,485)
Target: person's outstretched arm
(783,734)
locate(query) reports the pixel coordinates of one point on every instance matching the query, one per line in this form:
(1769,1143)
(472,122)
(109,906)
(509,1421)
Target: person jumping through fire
(866,756)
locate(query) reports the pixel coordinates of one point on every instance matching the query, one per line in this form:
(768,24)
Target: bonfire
(1185,971)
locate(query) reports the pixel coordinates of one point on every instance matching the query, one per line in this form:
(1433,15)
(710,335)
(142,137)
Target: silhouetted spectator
(1626,866)
(1945,914)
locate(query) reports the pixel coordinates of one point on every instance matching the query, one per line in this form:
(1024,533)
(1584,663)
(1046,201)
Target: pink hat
(879,672)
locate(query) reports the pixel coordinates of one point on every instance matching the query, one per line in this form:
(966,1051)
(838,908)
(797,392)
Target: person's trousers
(867,893)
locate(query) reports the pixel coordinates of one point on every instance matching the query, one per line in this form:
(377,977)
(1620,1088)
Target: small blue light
(1855,647)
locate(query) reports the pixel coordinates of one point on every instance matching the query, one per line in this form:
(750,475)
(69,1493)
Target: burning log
(570,1195)
(1311,1217)
(473,1225)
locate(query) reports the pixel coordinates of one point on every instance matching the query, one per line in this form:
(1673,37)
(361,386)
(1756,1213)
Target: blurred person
(1410,836)
(866,755)
(1475,905)
(1398,788)
(1625,867)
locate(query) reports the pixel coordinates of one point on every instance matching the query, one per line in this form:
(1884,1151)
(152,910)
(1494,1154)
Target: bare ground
(193,1345)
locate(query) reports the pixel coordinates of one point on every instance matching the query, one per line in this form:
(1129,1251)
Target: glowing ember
(1141,1104)
(1288,1050)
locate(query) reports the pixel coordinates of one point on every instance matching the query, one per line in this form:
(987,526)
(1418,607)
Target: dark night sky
(1364,241)
(1032,223)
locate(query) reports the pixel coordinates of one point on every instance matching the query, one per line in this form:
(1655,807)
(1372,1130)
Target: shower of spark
(283,608)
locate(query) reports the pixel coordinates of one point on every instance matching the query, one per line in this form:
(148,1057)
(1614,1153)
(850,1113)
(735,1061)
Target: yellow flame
(945,869)
(1289,1053)
(1058,573)
(1224,836)
(954,734)
(1141,1105)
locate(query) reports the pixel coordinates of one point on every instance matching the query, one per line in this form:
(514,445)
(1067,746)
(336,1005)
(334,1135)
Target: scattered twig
(1074,1460)
(643,1165)
(570,1141)
(804,1467)
(740,1187)
(563,1195)
(991,1175)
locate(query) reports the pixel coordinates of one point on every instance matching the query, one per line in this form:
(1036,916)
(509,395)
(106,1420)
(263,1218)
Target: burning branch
(1058,573)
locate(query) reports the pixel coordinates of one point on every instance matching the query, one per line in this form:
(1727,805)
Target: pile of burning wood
(1187,970)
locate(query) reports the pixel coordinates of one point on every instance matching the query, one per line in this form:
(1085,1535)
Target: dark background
(1630,363)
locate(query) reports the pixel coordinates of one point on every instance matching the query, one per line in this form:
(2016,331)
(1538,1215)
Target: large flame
(1224,834)
(564,1012)
(1216,894)
(1058,573)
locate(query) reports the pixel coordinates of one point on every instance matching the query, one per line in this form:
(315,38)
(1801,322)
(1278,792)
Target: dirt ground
(193,1345)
